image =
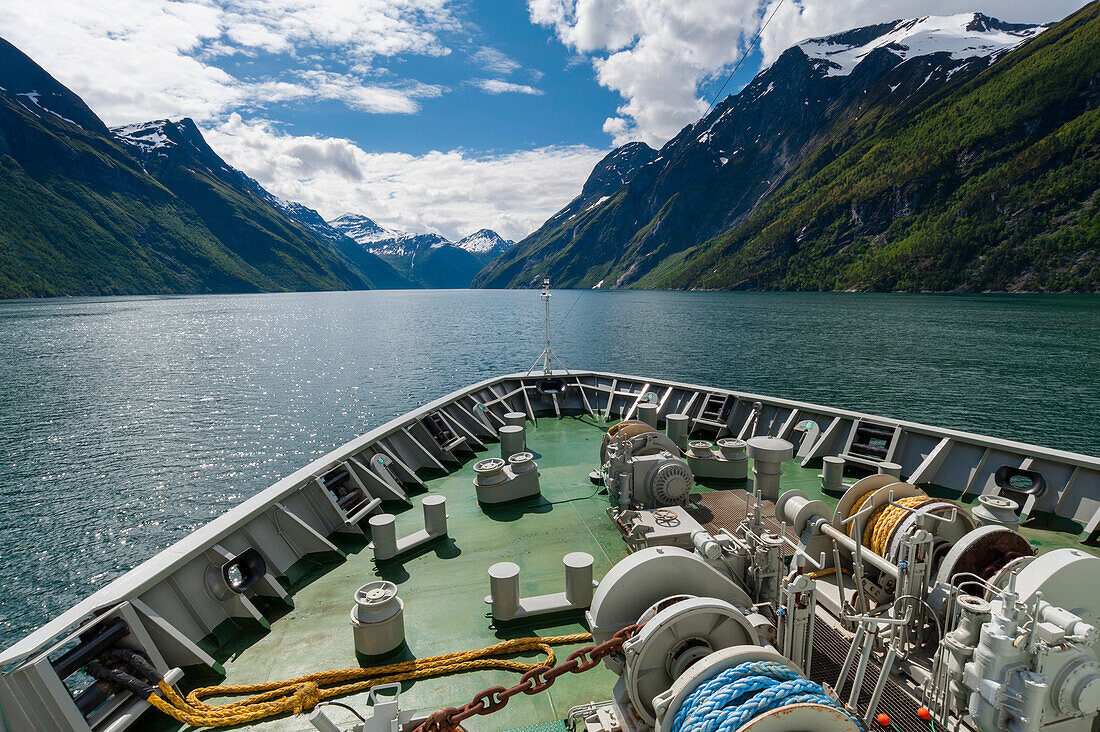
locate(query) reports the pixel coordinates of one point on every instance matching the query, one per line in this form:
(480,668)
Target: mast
(547,356)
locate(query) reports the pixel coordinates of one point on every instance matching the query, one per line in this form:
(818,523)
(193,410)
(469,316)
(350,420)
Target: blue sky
(430,115)
(569,108)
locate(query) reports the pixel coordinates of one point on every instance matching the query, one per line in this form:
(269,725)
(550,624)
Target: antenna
(547,356)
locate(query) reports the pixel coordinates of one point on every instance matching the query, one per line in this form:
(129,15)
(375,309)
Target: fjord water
(125,423)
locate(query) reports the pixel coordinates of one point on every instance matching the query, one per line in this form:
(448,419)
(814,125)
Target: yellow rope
(305,692)
(856,509)
(827,572)
(881,524)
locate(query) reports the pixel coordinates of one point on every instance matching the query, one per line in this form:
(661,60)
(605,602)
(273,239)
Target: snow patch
(597,203)
(962,36)
(148,136)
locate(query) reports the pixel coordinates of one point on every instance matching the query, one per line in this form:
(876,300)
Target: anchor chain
(537,679)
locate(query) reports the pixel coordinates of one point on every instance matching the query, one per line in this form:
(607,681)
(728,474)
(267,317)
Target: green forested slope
(992,187)
(81,215)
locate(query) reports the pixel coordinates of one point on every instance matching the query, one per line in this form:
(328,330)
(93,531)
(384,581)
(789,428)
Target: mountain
(856,161)
(84,211)
(383,275)
(362,230)
(288,241)
(524,264)
(484,242)
(428,259)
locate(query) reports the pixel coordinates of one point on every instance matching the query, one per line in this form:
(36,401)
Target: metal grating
(830,649)
(727,509)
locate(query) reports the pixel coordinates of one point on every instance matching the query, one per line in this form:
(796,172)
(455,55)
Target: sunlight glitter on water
(126,423)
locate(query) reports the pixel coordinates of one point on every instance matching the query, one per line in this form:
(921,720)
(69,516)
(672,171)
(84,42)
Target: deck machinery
(959,624)
(769,600)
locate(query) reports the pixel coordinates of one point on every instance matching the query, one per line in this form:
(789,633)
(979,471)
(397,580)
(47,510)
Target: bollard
(647,412)
(578,578)
(435,514)
(701,449)
(890,469)
(832,474)
(383,533)
(676,426)
(733,451)
(513,439)
(383,530)
(377,619)
(505,600)
(515,419)
(504,589)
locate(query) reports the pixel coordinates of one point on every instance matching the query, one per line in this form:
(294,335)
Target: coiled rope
(305,692)
(881,523)
(740,694)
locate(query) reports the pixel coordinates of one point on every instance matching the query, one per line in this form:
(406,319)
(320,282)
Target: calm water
(127,422)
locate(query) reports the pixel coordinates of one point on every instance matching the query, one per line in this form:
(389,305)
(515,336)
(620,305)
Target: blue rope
(740,694)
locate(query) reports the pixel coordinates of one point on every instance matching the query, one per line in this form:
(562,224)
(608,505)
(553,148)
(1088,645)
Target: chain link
(538,679)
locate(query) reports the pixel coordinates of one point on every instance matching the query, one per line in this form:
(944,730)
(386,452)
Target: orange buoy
(883,718)
(924,713)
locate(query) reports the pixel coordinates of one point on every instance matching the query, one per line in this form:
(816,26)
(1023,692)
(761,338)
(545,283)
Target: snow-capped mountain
(430,259)
(363,230)
(641,209)
(147,136)
(484,241)
(962,36)
(178,156)
(383,240)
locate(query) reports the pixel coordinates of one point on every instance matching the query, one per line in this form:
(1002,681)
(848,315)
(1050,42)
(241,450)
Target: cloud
(451,193)
(134,60)
(494,61)
(657,53)
(350,90)
(496,86)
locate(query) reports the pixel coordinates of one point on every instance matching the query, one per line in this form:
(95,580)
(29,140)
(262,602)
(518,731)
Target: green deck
(443,586)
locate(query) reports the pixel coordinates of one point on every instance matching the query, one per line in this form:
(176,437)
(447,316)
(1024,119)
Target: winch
(960,618)
(698,654)
(642,468)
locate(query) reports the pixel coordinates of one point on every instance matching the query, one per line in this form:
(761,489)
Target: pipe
(844,540)
(89,648)
(91,698)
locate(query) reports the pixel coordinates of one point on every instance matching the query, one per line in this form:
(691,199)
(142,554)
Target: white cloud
(315,84)
(497,86)
(494,61)
(656,53)
(451,193)
(134,60)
